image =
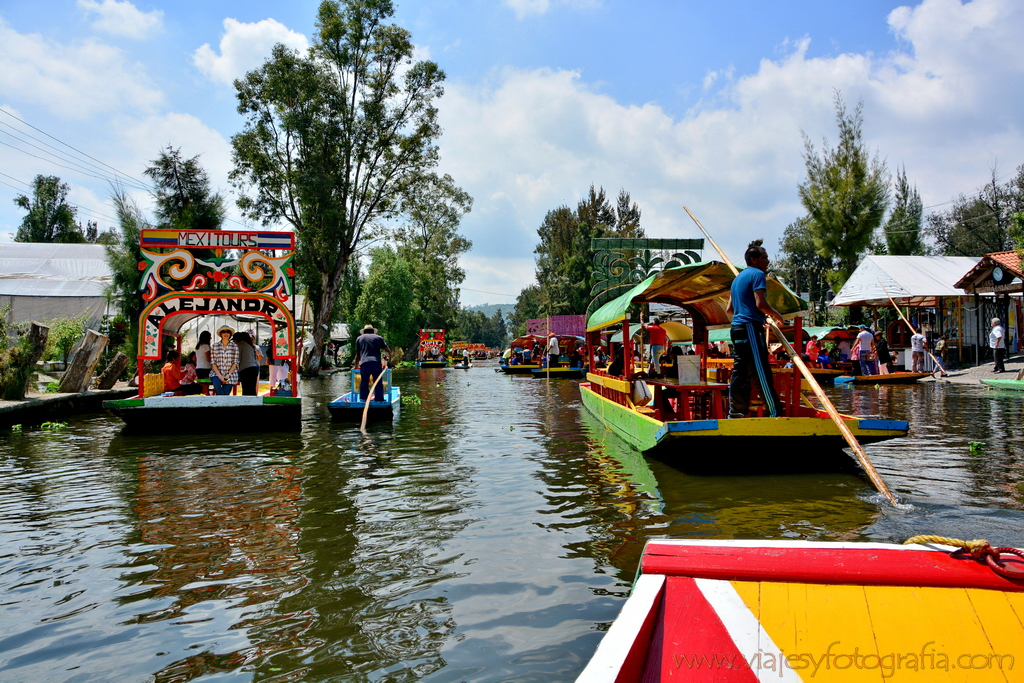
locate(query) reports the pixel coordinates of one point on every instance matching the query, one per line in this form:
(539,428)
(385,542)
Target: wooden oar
(369,397)
(855,446)
(912,330)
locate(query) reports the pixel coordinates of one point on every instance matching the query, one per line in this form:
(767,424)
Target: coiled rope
(977,549)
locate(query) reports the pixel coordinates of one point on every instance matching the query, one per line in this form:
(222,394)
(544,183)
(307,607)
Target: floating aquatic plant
(975,446)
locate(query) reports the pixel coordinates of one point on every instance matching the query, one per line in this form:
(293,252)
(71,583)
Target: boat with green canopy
(684,420)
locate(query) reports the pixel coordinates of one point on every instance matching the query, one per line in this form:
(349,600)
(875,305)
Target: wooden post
(23,366)
(114,368)
(79,373)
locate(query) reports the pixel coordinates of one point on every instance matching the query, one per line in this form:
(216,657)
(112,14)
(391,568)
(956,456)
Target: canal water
(491,534)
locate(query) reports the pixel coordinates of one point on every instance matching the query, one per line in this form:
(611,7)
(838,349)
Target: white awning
(909,280)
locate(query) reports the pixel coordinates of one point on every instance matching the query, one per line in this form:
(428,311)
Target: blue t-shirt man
(744,305)
(750,354)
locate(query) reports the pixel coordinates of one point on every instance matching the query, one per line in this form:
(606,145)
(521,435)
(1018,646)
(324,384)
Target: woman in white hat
(224,360)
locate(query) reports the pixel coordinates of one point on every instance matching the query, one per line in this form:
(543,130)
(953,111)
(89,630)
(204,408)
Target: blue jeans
(219,387)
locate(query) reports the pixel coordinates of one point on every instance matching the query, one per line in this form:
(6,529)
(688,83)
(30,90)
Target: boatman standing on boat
(369,359)
(749,308)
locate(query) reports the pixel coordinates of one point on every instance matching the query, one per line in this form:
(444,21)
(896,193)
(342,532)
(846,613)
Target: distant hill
(491,309)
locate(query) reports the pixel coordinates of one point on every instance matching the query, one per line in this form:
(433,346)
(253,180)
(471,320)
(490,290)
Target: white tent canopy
(910,280)
(43,281)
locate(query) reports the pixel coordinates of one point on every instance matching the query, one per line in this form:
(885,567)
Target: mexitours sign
(216,239)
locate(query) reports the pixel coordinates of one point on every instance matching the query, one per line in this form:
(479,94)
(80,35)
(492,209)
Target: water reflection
(489,534)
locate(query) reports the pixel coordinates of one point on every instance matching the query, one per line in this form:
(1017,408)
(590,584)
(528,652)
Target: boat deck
(803,611)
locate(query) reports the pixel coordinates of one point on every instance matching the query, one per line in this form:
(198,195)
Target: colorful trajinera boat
(561,372)
(178,286)
(1011,384)
(523,361)
(350,406)
(685,422)
(811,611)
(431,351)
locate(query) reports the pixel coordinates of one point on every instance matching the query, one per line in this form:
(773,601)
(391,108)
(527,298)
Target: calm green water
(491,534)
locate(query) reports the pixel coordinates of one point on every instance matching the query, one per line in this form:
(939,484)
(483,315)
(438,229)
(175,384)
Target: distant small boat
(350,406)
(755,610)
(440,363)
(461,366)
(1012,384)
(891,378)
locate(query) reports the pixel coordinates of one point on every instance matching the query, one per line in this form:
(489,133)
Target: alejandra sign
(156,314)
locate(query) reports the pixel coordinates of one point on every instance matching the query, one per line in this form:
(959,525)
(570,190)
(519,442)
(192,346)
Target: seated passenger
(188,384)
(172,373)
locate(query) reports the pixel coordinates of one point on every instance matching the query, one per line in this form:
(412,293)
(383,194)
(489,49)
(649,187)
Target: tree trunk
(21,362)
(83,363)
(114,368)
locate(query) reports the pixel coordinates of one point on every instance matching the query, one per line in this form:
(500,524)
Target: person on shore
(749,308)
(918,344)
(370,348)
(224,363)
(863,352)
(553,351)
(249,358)
(942,351)
(657,337)
(997,342)
(885,360)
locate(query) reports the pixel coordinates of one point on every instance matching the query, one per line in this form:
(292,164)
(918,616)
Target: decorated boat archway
(238,275)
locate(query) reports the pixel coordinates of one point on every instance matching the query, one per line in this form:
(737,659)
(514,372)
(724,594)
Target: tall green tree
(801,266)
(430,243)
(334,138)
(564,261)
(184,199)
(479,328)
(123,257)
(903,230)
(981,223)
(846,194)
(50,218)
(386,299)
(529,304)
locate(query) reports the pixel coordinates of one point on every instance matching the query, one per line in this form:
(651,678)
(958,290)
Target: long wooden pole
(855,446)
(912,330)
(369,397)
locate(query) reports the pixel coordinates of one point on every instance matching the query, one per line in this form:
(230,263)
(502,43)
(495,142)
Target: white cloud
(536,8)
(76,80)
(244,47)
(123,18)
(947,106)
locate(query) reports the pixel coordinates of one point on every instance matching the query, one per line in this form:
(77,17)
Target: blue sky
(680,103)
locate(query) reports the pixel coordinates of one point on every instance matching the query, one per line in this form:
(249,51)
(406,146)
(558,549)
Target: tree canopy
(846,194)
(184,199)
(903,230)
(50,218)
(334,139)
(565,273)
(386,299)
(980,223)
(430,243)
(479,328)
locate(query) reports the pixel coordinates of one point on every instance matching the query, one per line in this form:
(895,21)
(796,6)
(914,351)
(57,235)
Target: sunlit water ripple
(491,534)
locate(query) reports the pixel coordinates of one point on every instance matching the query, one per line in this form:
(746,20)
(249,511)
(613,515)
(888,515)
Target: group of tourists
(232,362)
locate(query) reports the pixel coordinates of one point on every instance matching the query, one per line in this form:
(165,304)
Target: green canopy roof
(700,286)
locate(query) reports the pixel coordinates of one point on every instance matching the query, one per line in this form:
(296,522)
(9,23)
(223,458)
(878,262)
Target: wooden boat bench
(673,401)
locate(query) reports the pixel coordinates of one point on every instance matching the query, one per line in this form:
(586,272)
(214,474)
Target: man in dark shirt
(369,360)
(749,307)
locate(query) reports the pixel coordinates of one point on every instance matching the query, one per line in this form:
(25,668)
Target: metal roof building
(43,281)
